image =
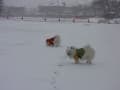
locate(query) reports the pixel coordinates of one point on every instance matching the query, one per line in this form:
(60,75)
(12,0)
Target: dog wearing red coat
(53,41)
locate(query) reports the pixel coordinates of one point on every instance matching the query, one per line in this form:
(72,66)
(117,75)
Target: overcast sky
(35,3)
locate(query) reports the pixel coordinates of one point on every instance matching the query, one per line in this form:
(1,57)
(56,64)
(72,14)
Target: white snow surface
(26,63)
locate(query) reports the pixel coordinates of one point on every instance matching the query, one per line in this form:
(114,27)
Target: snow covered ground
(27,64)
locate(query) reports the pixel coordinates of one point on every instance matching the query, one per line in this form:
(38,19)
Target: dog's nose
(68,53)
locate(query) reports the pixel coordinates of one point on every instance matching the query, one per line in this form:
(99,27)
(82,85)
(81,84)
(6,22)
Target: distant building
(55,11)
(64,11)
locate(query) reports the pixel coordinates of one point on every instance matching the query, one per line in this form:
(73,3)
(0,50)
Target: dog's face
(70,51)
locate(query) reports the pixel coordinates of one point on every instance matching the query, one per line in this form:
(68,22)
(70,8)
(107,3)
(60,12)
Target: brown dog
(53,41)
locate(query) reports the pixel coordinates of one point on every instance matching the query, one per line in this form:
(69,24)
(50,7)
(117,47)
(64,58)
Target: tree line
(1,6)
(110,8)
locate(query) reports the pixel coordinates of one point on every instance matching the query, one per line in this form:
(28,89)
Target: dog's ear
(87,46)
(72,47)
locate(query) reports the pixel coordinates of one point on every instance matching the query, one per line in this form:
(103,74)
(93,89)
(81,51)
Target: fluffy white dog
(85,53)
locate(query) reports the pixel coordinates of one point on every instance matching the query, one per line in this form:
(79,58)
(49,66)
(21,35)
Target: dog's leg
(76,59)
(89,61)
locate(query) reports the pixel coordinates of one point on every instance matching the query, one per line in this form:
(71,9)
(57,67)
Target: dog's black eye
(69,53)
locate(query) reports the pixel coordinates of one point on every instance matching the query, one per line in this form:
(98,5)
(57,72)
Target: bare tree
(1,6)
(110,8)
(76,10)
(64,4)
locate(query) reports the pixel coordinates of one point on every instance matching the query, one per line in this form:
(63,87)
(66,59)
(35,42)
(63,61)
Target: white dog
(85,53)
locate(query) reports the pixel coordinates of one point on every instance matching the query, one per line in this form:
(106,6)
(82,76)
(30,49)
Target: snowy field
(27,64)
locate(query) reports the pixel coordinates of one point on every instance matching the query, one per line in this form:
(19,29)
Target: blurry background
(107,9)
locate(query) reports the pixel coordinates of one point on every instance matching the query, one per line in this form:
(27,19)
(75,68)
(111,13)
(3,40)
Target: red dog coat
(50,41)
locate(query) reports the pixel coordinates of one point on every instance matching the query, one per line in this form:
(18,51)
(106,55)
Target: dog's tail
(90,52)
